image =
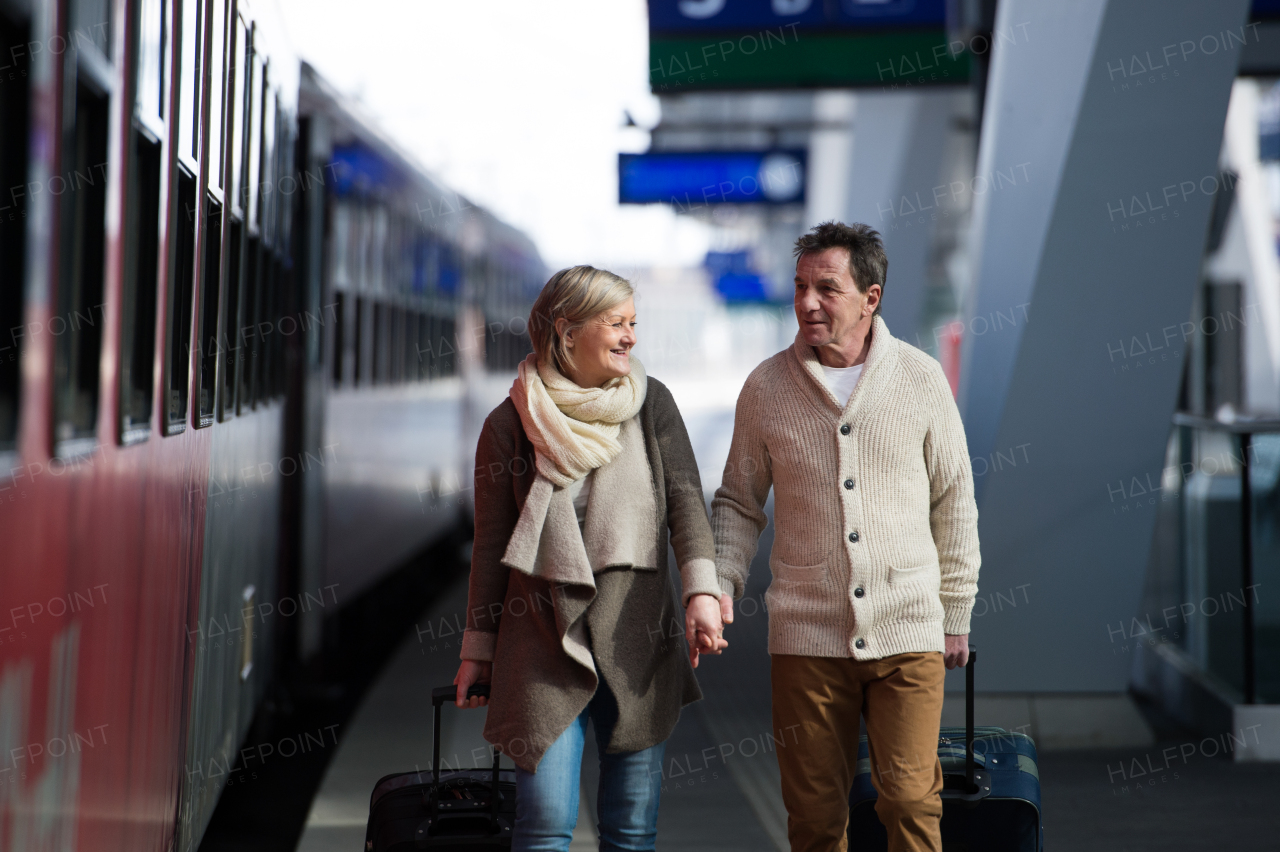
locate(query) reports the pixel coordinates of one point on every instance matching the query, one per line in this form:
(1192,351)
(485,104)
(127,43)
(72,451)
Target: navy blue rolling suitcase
(990,795)
(471,809)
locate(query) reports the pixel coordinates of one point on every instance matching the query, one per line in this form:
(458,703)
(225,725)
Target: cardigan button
(848,483)
(844,430)
(857,593)
(860,644)
(853,536)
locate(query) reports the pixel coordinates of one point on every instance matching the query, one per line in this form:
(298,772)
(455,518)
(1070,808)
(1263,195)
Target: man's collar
(882,343)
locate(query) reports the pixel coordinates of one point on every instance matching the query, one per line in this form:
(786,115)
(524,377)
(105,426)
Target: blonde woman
(580,475)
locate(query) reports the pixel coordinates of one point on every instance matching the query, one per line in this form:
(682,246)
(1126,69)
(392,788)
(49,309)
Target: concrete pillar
(899,145)
(1103,127)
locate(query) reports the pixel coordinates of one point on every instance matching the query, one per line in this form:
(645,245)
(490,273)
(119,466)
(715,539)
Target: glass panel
(277,363)
(232,341)
(91,26)
(138,333)
(216,15)
(248,338)
(361,341)
(270,163)
(150,56)
(446,348)
(14,98)
(209,310)
(395,344)
(379,341)
(338,352)
(254,176)
(80,308)
(236,117)
(178,350)
(410,352)
(188,93)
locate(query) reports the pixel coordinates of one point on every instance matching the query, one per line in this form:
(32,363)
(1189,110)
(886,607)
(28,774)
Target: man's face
(829,306)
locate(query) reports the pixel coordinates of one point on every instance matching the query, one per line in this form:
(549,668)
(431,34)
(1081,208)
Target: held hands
(704,621)
(472,672)
(957,651)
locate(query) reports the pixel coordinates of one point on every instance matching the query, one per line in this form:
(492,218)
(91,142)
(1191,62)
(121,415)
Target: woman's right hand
(472,672)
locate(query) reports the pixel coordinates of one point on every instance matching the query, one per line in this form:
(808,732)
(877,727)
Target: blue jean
(627,805)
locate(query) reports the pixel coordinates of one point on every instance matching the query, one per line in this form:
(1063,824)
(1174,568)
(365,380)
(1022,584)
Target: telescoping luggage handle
(977,785)
(968,720)
(439,696)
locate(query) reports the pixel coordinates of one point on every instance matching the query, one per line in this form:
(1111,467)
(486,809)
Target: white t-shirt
(841,381)
(580,492)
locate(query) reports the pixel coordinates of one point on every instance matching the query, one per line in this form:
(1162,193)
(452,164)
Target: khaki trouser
(901,699)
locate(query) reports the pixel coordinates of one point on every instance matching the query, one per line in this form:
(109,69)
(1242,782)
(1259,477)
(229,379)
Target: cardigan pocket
(797,573)
(914,574)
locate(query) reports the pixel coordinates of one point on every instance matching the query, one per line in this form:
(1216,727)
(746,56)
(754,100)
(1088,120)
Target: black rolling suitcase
(990,794)
(471,809)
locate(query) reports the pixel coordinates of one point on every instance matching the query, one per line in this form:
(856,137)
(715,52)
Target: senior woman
(580,474)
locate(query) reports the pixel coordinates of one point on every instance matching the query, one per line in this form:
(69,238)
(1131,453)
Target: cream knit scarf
(574,430)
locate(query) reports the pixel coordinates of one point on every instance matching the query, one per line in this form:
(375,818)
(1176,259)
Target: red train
(246,346)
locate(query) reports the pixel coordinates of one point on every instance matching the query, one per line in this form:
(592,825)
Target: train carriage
(245,345)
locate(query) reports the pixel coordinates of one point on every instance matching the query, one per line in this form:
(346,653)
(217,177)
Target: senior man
(875,558)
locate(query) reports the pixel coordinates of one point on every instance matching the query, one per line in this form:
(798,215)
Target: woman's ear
(564,332)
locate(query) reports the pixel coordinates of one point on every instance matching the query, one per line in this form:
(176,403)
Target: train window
(138,330)
(178,320)
(412,325)
(276,364)
(253,179)
(232,322)
(338,351)
(429,346)
(359,340)
(80,307)
(424,342)
(379,343)
(270,186)
(91,25)
(446,346)
(13,172)
(151,57)
(189,78)
(395,346)
(237,86)
(249,341)
(208,369)
(216,15)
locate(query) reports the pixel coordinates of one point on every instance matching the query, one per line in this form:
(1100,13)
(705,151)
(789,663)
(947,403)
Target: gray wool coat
(631,622)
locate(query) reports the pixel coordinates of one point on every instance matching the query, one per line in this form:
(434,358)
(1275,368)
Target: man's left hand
(704,627)
(957,653)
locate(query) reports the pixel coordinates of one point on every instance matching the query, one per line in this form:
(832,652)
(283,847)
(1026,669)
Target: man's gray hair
(868,264)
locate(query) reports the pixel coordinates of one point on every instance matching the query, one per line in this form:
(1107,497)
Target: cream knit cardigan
(885,507)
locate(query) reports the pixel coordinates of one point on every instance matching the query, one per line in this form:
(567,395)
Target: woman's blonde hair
(575,294)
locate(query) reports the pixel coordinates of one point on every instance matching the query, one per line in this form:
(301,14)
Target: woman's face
(601,349)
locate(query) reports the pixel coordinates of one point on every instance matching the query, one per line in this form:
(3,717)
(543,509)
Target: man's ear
(873,297)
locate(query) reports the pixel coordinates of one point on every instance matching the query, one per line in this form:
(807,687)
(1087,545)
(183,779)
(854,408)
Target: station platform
(721,791)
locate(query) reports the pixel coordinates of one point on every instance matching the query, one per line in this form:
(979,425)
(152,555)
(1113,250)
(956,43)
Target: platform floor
(1094,799)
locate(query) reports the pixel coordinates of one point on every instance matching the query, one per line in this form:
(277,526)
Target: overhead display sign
(702,15)
(691,179)
(761,44)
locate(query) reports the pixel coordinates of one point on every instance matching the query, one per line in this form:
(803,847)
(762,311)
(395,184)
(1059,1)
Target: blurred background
(266,266)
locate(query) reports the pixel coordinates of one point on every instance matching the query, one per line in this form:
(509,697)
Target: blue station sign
(688,179)
(674,16)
